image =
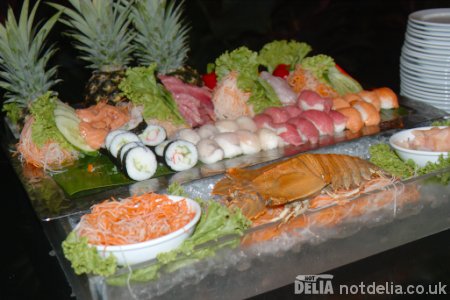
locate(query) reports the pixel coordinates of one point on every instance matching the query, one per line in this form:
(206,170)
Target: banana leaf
(95,173)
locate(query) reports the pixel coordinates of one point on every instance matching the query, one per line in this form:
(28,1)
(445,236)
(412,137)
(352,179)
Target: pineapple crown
(101,31)
(23,58)
(161,36)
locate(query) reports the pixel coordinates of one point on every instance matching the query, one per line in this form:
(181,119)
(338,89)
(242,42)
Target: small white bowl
(419,157)
(136,253)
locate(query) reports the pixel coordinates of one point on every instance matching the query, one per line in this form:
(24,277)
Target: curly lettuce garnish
(324,69)
(245,62)
(86,259)
(384,157)
(141,88)
(282,52)
(44,127)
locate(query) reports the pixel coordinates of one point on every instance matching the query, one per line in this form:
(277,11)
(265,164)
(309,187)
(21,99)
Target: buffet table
(247,271)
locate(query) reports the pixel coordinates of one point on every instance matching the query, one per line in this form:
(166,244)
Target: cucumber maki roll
(159,150)
(121,139)
(139,163)
(124,149)
(111,135)
(153,135)
(180,155)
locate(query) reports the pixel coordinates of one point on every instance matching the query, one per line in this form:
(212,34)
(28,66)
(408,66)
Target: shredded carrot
(302,79)
(50,156)
(90,168)
(133,220)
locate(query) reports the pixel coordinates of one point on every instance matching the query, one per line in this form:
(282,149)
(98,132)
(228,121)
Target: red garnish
(281,70)
(341,70)
(210,80)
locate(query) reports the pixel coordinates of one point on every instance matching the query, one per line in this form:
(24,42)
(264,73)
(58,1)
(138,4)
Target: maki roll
(121,139)
(159,150)
(180,155)
(139,163)
(111,135)
(123,150)
(153,135)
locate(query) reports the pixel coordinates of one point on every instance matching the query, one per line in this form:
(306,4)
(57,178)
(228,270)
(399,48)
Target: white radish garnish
(207,131)
(267,138)
(249,142)
(209,151)
(246,123)
(227,126)
(229,142)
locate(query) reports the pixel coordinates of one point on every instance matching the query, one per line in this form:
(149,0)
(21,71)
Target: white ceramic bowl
(419,157)
(140,252)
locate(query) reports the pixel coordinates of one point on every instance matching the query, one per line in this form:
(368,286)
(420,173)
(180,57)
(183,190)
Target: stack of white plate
(425,58)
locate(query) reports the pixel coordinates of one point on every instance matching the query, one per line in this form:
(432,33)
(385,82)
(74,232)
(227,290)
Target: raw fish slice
(354,122)
(339,103)
(320,119)
(369,114)
(278,114)
(352,97)
(246,123)
(293,111)
(289,133)
(339,121)
(308,100)
(306,129)
(388,99)
(263,121)
(249,142)
(371,97)
(284,92)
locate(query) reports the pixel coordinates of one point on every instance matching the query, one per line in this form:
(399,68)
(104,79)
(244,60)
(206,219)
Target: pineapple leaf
(24,57)
(162,37)
(101,30)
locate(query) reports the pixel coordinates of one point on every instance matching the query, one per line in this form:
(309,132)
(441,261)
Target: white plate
(429,28)
(428,99)
(439,17)
(428,88)
(423,79)
(435,64)
(443,51)
(427,44)
(416,70)
(419,54)
(425,67)
(430,34)
(439,97)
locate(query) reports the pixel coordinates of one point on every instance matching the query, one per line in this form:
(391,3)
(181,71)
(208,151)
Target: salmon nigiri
(372,98)
(339,103)
(354,122)
(369,114)
(388,98)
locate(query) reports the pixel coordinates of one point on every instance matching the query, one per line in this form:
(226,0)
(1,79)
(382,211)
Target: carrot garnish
(90,168)
(133,220)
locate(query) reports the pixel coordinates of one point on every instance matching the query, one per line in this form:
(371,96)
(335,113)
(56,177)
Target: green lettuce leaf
(85,259)
(44,127)
(141,88)
(282,52)
(13,111)
(245,62)
(324,69)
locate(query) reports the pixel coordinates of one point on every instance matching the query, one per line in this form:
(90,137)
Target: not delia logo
(313,284)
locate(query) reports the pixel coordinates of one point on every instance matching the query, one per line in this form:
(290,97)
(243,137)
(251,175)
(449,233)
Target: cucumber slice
(69,129)
(62,105)
(63,112)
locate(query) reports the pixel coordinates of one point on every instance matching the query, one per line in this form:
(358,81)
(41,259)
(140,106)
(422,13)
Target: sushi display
(160,111)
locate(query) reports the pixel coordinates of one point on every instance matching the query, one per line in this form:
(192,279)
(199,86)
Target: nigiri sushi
(226,126)
(339,120)
(308,100)
(246,123)
(388,99)
(209,151)
(249,142)
(320,119)
(354,122)
(369,114)
(371,97)
(267,138)
(278,114)
(306,129)
(229,142)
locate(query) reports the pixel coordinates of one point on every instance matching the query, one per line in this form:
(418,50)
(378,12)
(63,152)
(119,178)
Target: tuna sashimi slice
(339,120)
(288,133)
(263,121)
(278,114)
(306,129)
(293,111)
(322,121)
(308,100)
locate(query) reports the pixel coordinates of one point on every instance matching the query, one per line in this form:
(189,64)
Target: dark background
(364,37)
